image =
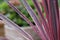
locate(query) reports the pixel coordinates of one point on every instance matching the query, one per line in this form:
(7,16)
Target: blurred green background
(11,14)
(59,2)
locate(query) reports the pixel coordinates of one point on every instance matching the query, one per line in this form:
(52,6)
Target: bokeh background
(11,14)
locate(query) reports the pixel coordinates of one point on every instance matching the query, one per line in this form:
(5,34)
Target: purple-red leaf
(47,28)
(34,17)
(23,17)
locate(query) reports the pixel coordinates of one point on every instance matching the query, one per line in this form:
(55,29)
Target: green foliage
(6,10)
(4,7)
(31,3)
(1,1)
(59,2)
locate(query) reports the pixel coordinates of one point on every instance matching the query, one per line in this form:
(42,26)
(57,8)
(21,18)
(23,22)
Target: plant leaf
(12,24)
(34,17)
(23,17)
